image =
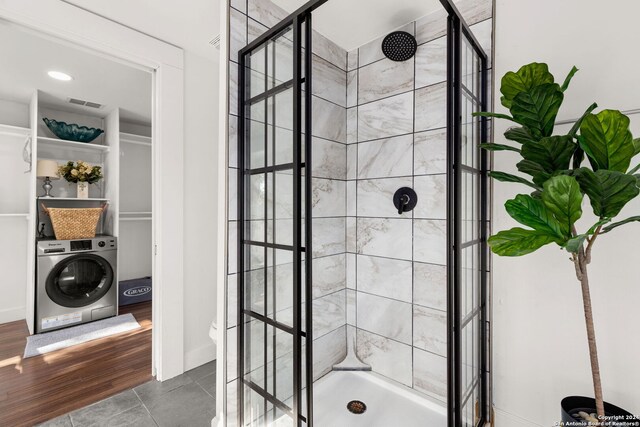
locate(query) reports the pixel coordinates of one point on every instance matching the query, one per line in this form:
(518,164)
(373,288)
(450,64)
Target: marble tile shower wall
(378,126)
(396,264)
(248,20)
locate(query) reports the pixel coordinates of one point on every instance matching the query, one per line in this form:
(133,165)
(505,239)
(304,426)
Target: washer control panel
(96,244)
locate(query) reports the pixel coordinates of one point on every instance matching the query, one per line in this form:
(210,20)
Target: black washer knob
(405,199)
(101,243)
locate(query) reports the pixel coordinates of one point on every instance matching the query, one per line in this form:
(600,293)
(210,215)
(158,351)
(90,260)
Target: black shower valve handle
(405,199)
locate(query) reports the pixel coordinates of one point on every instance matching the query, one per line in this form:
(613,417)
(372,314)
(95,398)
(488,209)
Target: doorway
(74,280)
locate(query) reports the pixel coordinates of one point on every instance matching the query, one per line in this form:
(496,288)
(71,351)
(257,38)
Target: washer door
(79,280)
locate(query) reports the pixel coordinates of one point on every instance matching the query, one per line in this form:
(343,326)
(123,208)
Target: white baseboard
(506,419)
(12,314)
(199,356)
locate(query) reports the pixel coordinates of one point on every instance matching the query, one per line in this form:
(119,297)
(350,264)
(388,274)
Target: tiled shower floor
(387,404)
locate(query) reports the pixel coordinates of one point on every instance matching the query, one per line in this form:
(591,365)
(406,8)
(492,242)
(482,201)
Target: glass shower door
(468,203)
(273,236)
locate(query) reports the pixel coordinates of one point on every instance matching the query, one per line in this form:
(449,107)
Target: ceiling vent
(84,103)
(215,42)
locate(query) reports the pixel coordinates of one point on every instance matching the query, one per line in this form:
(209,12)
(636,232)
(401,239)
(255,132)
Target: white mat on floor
(63,338)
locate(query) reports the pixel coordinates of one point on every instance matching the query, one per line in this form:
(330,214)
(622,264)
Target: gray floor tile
(63,421)
(105,409)
(153,389)
(202,371)
(208,383)
(138,417)
(187,406)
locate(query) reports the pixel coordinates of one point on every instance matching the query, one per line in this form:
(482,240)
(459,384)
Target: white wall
(201,199)
(539,340)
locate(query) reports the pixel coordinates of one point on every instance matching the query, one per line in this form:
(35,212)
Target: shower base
(387,404)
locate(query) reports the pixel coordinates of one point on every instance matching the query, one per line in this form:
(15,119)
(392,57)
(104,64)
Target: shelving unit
(80,147)
(72,199)
(126,162)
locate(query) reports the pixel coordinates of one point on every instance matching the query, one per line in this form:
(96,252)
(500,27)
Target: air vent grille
(84,103)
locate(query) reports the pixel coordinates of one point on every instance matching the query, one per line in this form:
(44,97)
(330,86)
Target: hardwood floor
(37,389)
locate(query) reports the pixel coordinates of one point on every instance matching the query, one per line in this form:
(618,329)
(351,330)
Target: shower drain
(356,407)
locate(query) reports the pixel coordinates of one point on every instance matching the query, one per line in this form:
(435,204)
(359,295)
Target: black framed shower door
(275,360)
(468,226)
(274,314)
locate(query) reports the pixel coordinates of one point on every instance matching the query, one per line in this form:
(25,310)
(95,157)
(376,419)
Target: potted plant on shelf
(593,159)
(82,174)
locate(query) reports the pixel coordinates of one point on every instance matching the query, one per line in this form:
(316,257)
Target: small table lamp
(47,169)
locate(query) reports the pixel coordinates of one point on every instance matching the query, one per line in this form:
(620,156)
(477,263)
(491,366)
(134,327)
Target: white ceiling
(189,24)
(27,56)
(352,23)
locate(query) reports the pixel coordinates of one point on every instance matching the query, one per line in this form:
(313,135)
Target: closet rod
(13,133)
(130,141)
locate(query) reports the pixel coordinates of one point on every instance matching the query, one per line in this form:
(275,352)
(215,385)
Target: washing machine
(76,282)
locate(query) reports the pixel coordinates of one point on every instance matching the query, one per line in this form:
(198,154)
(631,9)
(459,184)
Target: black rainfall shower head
(399,46)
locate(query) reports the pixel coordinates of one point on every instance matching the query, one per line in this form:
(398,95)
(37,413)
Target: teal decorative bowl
(72,132)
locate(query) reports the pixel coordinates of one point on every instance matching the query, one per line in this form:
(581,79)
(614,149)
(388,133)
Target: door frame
(300,25)
(166,63)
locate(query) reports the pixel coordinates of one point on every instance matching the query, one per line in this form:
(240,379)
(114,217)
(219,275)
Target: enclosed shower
(357,262)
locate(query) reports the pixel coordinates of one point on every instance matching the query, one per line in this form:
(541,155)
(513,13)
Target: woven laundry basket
(74,223)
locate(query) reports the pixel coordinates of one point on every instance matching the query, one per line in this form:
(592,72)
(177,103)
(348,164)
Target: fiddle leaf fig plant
(559,179)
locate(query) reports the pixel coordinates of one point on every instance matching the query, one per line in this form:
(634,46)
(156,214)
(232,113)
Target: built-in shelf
(72,199)
(14,130)
(55,143)
(140,218)
(135,213)
(129,138)
(14,215)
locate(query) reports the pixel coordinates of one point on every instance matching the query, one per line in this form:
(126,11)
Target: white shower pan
(387,404)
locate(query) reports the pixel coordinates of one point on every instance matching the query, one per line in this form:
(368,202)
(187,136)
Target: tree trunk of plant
(581,271)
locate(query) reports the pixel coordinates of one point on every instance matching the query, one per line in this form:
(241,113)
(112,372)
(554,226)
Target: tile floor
(185,401)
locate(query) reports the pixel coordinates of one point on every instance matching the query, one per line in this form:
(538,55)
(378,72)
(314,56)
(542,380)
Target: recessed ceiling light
(59,75)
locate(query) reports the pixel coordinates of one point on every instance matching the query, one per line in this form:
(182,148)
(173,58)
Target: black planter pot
(615,417)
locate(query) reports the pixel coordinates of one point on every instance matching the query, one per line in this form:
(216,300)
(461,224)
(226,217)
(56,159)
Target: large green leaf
(606,139)
(498,147)
(562,196)
(533,213)
(537,109)
(553,153)
(636,146)
(567,80)
(619,223)
(576,126)
(507,177)
(578,155)
(525,79)
(518,241)
(608,191)
(537,172)
(492,115)
(520,134)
